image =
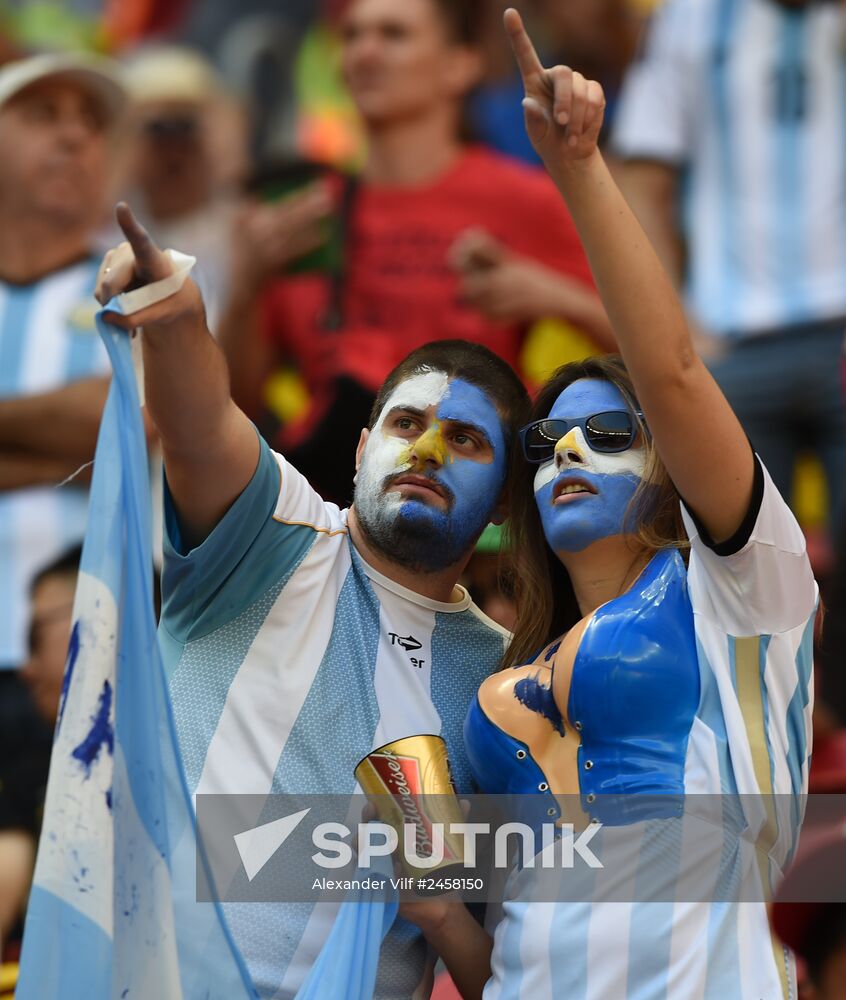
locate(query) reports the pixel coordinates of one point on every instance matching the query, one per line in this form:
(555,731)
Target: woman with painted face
(662,648)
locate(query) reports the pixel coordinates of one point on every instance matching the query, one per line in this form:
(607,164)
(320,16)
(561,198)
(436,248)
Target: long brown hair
(546,603)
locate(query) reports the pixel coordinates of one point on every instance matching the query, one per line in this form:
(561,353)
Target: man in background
(57,115)
(186,156)
(732,129)
(23,776)
(435,239)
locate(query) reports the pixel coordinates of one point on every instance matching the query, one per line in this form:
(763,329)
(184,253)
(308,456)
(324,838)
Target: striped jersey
(47,339)
(754,602)
(746,98)
(289,659)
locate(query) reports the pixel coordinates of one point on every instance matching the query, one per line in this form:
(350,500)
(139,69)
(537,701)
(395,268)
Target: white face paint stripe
(545,474)
(382,452)
(632,461)
(419,392)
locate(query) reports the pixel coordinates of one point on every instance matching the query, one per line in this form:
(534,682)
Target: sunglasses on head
(607,432)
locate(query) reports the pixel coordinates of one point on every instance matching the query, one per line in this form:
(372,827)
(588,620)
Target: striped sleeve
(754,601)
(760,582)
(263,536)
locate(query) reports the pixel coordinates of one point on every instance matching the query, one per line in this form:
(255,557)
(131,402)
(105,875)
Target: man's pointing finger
(150,262)
(524,52)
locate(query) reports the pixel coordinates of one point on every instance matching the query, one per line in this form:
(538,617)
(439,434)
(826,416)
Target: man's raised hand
(564,110)
(137,262)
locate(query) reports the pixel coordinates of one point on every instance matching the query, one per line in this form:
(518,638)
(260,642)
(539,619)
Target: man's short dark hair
(471,362)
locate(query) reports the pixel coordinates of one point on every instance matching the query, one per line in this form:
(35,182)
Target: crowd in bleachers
(334,234)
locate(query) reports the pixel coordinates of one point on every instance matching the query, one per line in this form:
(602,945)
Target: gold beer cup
(408,782)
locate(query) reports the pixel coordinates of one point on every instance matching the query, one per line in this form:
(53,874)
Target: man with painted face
(297,636)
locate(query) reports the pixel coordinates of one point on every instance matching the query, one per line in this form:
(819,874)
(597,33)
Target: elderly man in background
(57,115)
(185,155)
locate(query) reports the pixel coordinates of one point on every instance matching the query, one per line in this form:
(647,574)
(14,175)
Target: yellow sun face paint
(431,445)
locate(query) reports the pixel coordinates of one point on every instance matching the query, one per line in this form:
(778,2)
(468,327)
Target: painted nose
(430,448)
(569,451)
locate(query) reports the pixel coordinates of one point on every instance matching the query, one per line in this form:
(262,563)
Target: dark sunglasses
(607,432)
(172,128)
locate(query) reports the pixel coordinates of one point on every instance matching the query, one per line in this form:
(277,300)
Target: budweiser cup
(409,784)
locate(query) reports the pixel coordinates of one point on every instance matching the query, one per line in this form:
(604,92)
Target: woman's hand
(564,111)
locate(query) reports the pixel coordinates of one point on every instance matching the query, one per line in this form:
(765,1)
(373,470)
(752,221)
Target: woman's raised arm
(696,432)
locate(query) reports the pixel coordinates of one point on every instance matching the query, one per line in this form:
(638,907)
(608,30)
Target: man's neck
(411,153)
(31,248)
(604,570)
(440,586)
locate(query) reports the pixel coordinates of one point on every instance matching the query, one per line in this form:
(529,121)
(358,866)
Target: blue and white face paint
(432,471)
(583,495)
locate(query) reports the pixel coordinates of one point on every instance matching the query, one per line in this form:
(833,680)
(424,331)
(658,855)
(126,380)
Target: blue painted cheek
(475,488)
(571,527)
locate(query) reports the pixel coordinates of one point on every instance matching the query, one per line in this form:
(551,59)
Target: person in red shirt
(441,239)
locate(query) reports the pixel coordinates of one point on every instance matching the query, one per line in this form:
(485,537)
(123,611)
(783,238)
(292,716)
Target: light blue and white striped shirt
(47,339)
(747,97)
(753,614)
(280,645)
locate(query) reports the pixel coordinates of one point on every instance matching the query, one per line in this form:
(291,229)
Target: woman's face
(582,494)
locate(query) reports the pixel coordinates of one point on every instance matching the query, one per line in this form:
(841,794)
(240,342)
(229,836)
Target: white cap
(171,73)
(101,76)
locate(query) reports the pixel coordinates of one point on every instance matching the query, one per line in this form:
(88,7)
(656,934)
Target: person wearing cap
(186,151)
(57,113)
(809,910)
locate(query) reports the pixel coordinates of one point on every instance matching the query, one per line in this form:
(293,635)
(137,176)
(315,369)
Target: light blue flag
(349,960)
(113,911)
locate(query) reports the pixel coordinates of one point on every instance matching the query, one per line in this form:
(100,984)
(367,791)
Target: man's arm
(21,470)
(248,353)
(17,856)
(210,448)
(462,943)
(60,424)
(652,190)
(267,238)
(510,288)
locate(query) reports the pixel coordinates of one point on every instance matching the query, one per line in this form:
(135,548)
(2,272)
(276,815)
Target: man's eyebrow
(466,425)
(414,410)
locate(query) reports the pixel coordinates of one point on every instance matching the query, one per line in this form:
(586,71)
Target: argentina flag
(113,911)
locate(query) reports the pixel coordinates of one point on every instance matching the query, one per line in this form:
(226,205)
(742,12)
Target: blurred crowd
(354,180)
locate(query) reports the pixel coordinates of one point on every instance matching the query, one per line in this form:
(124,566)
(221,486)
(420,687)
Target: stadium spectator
(56,118)
(187,154)
(23,776)
(393,277)
(738,106)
